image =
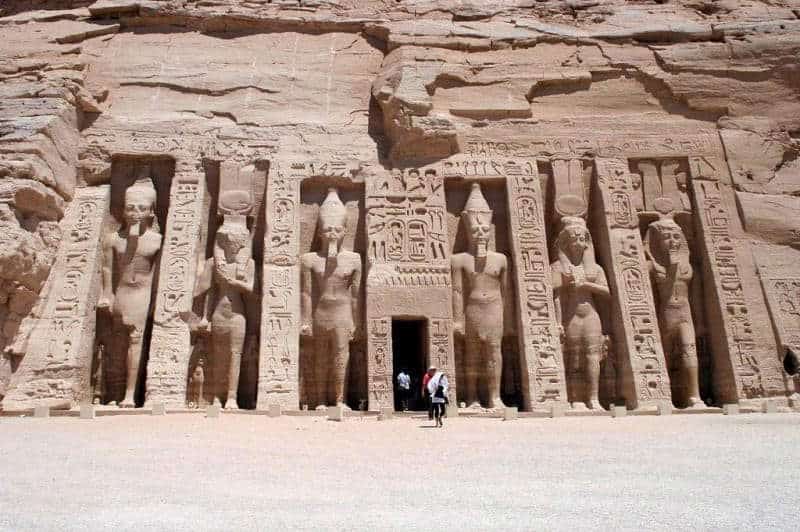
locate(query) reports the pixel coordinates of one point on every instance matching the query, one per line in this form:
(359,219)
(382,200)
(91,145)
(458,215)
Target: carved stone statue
(668,257)
(331,313)
(196,382)
(129,256)
(578,283)
(231,271)
(480,289)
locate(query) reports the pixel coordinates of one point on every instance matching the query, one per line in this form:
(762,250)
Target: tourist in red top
(425,394)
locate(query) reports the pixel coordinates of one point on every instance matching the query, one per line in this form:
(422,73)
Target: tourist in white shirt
(403,389)
(437,387)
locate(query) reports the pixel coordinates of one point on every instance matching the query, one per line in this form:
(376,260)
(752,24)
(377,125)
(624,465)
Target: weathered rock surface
(623,113)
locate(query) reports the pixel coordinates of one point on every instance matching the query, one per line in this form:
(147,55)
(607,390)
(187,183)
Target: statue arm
(600,284)
(557,281)
(355,293)
(203,283)
(106,294)
(305,298)
(246,284)
(509,325)
(458,297)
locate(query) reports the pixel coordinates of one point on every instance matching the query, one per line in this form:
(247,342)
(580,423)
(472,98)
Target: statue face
(232,243)
(332,232)
(671,239)
(577,242)
(138,208)
(479,228)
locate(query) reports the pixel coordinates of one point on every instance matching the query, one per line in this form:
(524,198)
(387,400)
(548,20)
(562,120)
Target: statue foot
(126,403)
(321,408)
(578,406)
(594,404)
(217,402)
(344,406)
(694,402)
(496,404)
(474,405)
(231,403)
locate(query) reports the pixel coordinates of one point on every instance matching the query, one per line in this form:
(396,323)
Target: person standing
(437,387)
(425,394)
(403,389)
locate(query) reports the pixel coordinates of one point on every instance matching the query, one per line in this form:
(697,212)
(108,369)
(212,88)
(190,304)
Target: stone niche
(223,367)
(476,360)
(129,283)
(332,359)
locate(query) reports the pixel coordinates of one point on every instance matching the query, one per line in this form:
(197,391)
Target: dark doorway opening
(410,354)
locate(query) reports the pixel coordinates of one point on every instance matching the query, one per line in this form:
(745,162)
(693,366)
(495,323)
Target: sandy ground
(239,472)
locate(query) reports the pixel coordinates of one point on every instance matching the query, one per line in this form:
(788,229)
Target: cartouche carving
(129,256)
(330,302)
(668,257)
(480,288)
(578,282)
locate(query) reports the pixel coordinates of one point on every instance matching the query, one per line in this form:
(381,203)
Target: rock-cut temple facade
(254,203)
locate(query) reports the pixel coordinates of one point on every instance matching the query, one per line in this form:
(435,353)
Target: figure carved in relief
(668,257)
(579,284)
(196,382)
(129,257)
(231,271)
(330,285)
(480,292)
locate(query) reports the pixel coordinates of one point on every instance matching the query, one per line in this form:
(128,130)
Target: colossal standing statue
(232,272)
(480,289)
(129,256)
(577,282)
(330,304)
(668,257)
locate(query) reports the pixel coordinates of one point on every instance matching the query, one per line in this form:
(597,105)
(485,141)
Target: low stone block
(731,409)
(558,410)
(451,410)
(41,411)
(619,411)
(335,413)
(213,411)
(159,409)
(769,407)
(664,409)
(386,413)
(510,413)
(274,410)
(87,412)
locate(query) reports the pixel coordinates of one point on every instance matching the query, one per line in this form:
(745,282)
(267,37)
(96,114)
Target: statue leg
(134,355)
(472,346)
(235,348)
(690,365)
(340,342)
(494,371)
(318,389)
(572,355)
(592,372)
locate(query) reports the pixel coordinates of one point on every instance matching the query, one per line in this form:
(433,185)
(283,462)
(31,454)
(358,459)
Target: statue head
(666,242)
(140,202)
(233,238)
(574,241)
(477,218)
(332,222)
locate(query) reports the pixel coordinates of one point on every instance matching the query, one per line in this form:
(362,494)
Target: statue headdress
(476,205)
(143,186)
(332,211)
(568,225)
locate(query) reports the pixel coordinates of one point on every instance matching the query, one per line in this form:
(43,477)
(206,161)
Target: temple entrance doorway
(410,354)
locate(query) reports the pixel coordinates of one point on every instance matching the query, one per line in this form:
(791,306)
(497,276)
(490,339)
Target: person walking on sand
(437,387)
(426,396)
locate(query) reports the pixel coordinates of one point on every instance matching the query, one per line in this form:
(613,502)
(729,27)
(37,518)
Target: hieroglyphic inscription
(543,379)
(634,314)
(379,376)
(170,342)
(783,295)
(58,359)
(278,368)
(740,343)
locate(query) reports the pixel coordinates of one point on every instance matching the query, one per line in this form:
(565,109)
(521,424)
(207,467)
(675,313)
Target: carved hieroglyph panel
(170,341)
(645,379)
(543,381)
(58,359)
(278,367)
(736,351)
(783,296)
(409,272)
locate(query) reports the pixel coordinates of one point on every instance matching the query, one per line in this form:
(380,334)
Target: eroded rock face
(314,169)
